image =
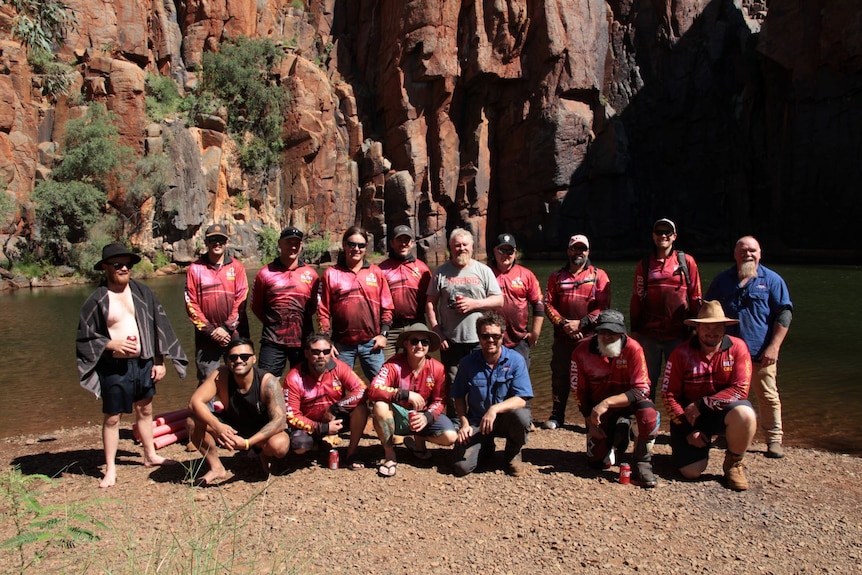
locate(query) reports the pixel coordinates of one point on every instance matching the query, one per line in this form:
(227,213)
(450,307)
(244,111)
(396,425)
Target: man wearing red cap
(576,294)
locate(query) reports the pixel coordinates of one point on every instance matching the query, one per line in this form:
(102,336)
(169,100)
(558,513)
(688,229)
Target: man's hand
(220,336)
(123,347)
(418,421)
(572,328)
(532,339)
(466,431)
(416,401)
(691,413)
(378,342)
(595,431)
(486,426)
(467,305)
(697,439)
(770,355)
(599,410)
(335,426)
(158,372)
(227,436)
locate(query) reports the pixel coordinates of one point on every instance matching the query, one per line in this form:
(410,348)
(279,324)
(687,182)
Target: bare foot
(154,460)
(211,477)
(265,464)
(109,480)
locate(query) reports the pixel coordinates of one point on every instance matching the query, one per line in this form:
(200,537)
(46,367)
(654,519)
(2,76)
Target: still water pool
(820,382)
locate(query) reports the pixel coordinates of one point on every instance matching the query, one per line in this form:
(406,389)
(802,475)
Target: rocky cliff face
(541,118)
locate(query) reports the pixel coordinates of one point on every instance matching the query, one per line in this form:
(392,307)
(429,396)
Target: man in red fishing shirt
(705,389)
(408,280)
(356,305)
(284,297)
(609,378)
(576,294)
(666,292)
(521,290)
(322,395)
(216,290)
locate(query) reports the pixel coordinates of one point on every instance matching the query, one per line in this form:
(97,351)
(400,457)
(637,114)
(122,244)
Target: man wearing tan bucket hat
(411,380)
(705,389)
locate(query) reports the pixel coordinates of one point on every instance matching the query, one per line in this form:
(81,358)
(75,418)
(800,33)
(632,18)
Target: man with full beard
(322,396)
(576,294)
(464,288)
(760,300)
(609,378)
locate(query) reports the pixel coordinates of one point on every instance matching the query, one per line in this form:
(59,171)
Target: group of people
(482,319)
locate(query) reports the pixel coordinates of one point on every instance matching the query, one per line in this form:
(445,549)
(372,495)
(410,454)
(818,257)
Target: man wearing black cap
(666,291)
(123,339)
(521,289)
(284,297)
(216,291)
(408,280)
(609,378)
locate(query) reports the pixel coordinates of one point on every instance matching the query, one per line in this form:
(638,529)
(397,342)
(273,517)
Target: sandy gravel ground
(801,514)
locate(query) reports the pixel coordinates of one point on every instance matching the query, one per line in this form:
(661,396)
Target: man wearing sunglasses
(123,339)
(216,290)
(521,290)
(491,391)
(253,417)
(666,291)
(411,387)
(323,396)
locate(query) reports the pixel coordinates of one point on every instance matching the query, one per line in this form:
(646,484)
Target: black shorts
(709,423)
(125,382)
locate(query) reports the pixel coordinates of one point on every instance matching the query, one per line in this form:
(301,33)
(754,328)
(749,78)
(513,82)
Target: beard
(611,350)
(578,261)
(747,270)
(319,368)
(462,259)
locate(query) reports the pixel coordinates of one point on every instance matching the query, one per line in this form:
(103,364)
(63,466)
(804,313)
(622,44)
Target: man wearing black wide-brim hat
(123,339)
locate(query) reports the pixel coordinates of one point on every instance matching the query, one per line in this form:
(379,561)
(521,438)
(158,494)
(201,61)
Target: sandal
(387,469)
(421,454)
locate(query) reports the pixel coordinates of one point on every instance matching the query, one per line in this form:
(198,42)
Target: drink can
(459,297)
(625,473)
(132,338)
(333,459)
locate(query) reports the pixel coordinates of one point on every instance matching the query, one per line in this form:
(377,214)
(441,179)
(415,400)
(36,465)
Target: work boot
(643,464)
(516,467)
(774,450)
(734,472)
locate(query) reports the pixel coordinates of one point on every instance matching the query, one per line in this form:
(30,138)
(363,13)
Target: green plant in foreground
(39,527)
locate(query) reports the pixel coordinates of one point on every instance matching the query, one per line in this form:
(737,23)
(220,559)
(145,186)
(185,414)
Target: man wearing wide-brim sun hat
(705,388)
(409,397)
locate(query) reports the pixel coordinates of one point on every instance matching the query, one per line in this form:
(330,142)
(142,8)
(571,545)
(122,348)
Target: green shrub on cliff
(66,211)
(41,23)
(92,149)
(55,76)
(240,76)
(163,98)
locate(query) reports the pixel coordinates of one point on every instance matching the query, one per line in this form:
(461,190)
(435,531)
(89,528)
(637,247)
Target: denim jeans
(371,361)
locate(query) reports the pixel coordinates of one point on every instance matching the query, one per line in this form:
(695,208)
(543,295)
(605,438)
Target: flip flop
(387,469)
(421,454)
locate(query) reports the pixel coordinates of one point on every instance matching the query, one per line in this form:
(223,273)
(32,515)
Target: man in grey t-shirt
(464,288)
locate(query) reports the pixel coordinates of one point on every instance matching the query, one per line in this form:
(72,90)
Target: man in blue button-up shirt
(491,391)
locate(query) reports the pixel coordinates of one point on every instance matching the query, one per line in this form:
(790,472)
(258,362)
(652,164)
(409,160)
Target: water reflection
(819,384)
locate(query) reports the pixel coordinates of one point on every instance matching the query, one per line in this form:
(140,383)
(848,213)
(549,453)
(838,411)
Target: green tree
(66,211)
(92,149)
(41,23)
(240,76)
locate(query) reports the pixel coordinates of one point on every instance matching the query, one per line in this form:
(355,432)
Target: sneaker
(516,467)
(774,450)
(550,424)
(734,472)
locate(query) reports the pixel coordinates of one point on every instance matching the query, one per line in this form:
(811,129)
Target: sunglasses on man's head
(417,341)
(120,265)
(356,245)
(491,336)
(326,351)
(242,356)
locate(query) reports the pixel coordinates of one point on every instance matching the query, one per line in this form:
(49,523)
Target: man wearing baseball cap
(408,280)
(576,294)
(284,298)
(215,293)
(609,378)
(521,290)
(666,292)
(705,389)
